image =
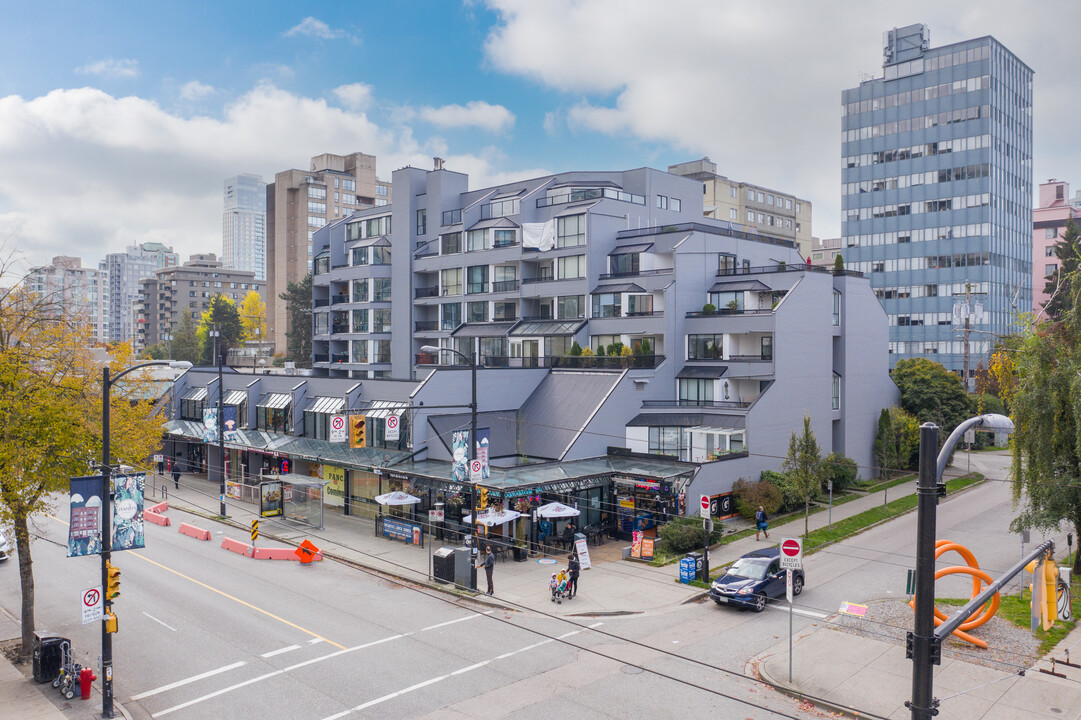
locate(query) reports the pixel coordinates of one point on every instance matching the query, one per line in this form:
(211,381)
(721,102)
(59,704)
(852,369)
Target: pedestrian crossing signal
(357,437)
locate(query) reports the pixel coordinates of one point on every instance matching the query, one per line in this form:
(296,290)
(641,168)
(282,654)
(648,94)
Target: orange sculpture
(978,578)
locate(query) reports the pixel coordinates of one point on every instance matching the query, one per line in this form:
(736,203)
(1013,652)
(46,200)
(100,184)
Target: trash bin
(443,564)
(697,558)
(47,657)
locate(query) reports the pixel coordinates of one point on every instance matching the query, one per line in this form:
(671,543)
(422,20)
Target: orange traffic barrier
(195,532)
(978,578)
(160,508)
(308,552)
(236,546)
(151,516)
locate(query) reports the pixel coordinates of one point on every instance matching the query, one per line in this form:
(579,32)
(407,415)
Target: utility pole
(971,313)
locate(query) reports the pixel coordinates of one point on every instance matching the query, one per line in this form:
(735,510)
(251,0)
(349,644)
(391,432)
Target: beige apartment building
(298,203)
(83,291)
(824,251)
(769,211)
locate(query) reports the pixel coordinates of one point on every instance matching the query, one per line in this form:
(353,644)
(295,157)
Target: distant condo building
(244,225)
(1049,224)
(124,271)
(936,180)
(84,292)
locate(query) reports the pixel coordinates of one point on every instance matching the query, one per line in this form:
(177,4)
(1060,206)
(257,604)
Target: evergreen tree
(803,468)
(1061,283)
(221,317)
(185,343)
(298,300)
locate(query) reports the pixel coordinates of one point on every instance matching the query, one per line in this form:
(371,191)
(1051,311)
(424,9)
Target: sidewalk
(20,696)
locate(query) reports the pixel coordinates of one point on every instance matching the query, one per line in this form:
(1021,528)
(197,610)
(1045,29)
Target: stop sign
(791,554)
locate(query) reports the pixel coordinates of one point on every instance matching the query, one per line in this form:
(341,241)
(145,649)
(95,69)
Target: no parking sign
(392,427)
(338,430)
(475,469)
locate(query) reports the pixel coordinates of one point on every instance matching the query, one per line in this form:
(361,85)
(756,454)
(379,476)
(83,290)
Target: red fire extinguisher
(86,676)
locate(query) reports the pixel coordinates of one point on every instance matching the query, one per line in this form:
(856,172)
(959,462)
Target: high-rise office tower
(244,225)
(936,185)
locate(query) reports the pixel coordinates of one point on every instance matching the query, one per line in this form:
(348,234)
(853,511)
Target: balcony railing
(578,362)
(339,298)
(339,358)
(320,358)
(425,292)
(729,230)
(779,268)
(504,285)
(750,358)
(339,328)
(729,311)
(695,403)
(637,273)
(426,325)
(544,278)
(322,302)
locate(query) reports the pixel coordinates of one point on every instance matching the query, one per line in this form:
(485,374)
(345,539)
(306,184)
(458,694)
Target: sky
(119,121)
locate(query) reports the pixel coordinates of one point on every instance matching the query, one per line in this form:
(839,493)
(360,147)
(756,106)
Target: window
(571,231)
(422,221)
(676,204)
(450,280)
(452,217)
(639,305)
(750,194)
(477,279)
(382,351)
(750,216)
(477,240)
(788,203)
(505,238)
(836,391)
(662,202)
(505,278)
(476,312)
(374,227)
(450,316)
(501,208)
(667,441)
(769,199)
(695,391)
(836,308)
(1050,232)
(380,289)
(625,264)
(381,320)
(761,197)
(322,265)
(570,307)
(766,347)
(504,311)
(276,420)
(316,222)
(798,210)
(761,218)
(317,207)
(1050,268)
(380,256)
(317,193)
(731,301)
(733,214)
(607,305)
(360,290)
(705,347)
(360,321)
(360,351)
(335,182)
(732,191)
(573,266)
(347,184)
(450,243)
(381,190)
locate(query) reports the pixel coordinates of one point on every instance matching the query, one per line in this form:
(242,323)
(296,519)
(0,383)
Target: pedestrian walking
(761,523)
(161,465)
(176,475)
(545,531)
(573,568)
(568,535)
(489,566)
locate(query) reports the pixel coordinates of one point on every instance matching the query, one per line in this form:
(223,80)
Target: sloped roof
(559,408)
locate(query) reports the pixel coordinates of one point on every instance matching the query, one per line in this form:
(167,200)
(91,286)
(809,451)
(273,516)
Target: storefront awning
(236,397)
(275,401)
(620,288)
(741,286)
(198,393)
(628,249)
(701,372)
(547,328)
(483,330)
(329,405)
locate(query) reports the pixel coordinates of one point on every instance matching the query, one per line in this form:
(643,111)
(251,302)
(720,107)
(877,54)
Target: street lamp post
(221,433)
(472,424)
(107,383)
(923,645)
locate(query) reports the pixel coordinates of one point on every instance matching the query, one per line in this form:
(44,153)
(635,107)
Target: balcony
(779,268)
(426,325)
(339,358)
(724,404)
(577,362)
(638,273)
(339,299)
(730,311)
(320,358)
(339,328)
(321,302)
(426,292)
(505,286)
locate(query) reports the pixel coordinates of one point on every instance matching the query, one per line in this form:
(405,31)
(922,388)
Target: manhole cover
(630,670)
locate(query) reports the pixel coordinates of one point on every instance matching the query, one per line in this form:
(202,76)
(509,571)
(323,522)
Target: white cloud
(757,86)
(195,90)
(313,27)
(134,172)
(355,96)
(476,113)
(127,68)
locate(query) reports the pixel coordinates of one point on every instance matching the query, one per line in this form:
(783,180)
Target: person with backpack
(761,523)
(573,568)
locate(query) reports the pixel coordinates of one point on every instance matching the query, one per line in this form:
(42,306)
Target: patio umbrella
(491,519)
(397,498)
(557,510)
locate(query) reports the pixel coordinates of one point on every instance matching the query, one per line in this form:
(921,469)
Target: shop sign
(583,553)
(402,531)
(722,506)
(647,548)
(232,489)
(335,490)
(636,544)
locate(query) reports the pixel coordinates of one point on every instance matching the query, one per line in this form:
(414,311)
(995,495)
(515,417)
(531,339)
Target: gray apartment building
(936,159)
(244,224)
(173,291)
(125,271)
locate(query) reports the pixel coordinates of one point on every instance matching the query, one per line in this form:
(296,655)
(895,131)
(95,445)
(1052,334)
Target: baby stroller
(558,586)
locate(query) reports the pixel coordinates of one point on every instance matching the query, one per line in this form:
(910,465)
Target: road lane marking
(296,666)
(158,621)
(451,622)
(440,678)
(315,640)
(236,600)
(185,681)
(799,611)
(279,651)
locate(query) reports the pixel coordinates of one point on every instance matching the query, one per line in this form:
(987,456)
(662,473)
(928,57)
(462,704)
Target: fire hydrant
(86,676)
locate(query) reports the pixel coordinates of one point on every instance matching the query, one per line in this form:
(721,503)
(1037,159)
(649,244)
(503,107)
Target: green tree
(223,318)
(185,343)
(298,302)
(839,264)
(50,418)
(932,393)
(1060,284)
(1044,396)
(897,441)
(803,468)
(839,469)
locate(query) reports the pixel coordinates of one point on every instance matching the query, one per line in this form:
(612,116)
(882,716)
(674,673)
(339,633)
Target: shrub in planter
(709,309)
(685,534)
(749,494)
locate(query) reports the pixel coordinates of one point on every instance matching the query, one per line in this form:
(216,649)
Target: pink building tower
(1049,224)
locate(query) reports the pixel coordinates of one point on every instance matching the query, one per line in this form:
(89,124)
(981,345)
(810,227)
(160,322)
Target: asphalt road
(209,634)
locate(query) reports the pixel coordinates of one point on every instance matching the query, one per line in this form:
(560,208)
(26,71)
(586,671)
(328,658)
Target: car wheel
(797,585)
(759,602)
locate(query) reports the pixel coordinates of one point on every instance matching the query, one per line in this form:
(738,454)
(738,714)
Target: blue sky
(119,121)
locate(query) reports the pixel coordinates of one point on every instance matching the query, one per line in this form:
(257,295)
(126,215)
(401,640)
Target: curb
(756,666)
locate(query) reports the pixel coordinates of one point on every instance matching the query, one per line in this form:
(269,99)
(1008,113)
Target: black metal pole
(923,634)
(106,550)
(221,433)
(473,449)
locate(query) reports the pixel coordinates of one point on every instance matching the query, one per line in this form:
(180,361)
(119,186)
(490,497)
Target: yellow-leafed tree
(50,417)
(253,316)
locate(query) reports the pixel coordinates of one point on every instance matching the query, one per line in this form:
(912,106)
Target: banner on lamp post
(484,440)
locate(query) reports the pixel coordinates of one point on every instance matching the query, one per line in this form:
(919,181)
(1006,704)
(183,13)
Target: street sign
(91,605)
(705,506)
(475,469)
(788,585)
(435,516)
(791,554)
(339,431)
(392,427)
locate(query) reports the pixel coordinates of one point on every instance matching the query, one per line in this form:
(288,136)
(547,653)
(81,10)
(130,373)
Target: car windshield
(753,568)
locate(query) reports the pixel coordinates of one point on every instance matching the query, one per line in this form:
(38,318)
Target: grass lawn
(1017,610)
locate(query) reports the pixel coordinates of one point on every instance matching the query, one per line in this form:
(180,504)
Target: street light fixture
(922,641)
(472,423)
(107,383)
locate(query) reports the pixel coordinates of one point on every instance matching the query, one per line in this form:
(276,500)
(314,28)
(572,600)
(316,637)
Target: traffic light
(357,431)
(483,499)
(112,581)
